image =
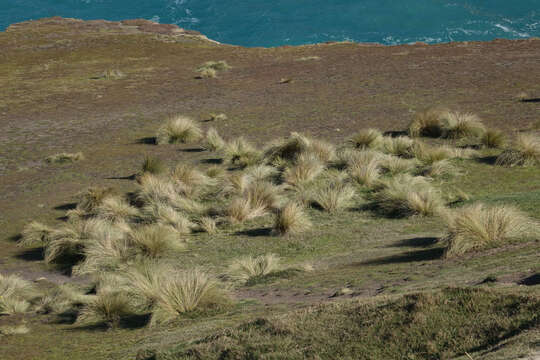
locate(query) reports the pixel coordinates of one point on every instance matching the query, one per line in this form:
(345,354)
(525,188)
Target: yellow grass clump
(156,240)
(34,234)
(366,139)
(249,267)
(478,226)
(525,152)
(427,123)
(178,129)
(214,141)
(332,195)
(64,158)
(15,294)
(291,219)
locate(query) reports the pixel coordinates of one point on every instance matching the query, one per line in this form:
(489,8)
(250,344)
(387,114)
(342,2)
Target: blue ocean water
(292,22)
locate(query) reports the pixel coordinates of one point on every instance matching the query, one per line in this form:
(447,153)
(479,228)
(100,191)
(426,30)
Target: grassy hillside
(313,245)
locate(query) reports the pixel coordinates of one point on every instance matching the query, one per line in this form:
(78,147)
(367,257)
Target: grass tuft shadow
(35,254)
(147,140)
(255,232)
(416,242)
(411,256)
(66,207)
(531,280)
(489,160)
(212,161)
(193,150)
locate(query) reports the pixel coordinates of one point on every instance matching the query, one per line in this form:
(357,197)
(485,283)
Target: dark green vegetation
(378,257)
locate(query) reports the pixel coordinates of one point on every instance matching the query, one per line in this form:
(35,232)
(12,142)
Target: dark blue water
(293,22)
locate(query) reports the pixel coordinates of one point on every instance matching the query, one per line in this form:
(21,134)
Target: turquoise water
(293,22)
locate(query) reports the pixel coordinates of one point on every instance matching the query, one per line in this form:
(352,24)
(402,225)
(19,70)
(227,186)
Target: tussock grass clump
(92,197)
(116,209)
(190,181)
(220,65)
(462,125)
(405,195)
(206,74)
(478,226)
(307,58)
(34,234)
(64,158)
(396,165)
(208,225)
(291,219)
(241,153)
(215,172)
(493,138)
(306,168)
(164,214)
(428,154)
(152,165)
(15,294)
(366,139)
(261,172)
(214,141)
(290,148)
(332,195)
(108,307)
(107,251)
(365,174)
(184,292)
(324,151)
(249,267)
(218,117)
(427,123)
(178,129)
(525,152)
(440,169)
(397,146)
(258,199)
(156,240)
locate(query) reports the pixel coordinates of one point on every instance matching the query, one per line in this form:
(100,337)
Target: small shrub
(178,129)
(154,166)
(525,152)
(249,267)
(156,240)
(493,138)
(35,234)
(462,125)
(478,227)
(332,196)
(214,142)
(427,123)
(366,139)
(291,219)
(64,158)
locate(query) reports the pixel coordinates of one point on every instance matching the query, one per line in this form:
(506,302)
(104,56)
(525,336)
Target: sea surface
(292,22)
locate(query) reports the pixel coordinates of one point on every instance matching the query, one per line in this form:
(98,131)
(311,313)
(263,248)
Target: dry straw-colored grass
(214,141)
(164,214)
(291,219)
(258,199)
(524,152)
(108,307)
(91,198)
(64,158)
(306,168)
(366,174)
(182,292)
(116,209)
(9,330)
(15,294)
(333,195)
(152,165)
(478,226)
(217,117)
(208,225)
(398,146)
(241,153)
(462,125)
(35,234)
(178,129)
(249,267)
(405,195)
(493,138)
(156,240)
(427,123)
(366,139)
(395,165)
(206,74)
